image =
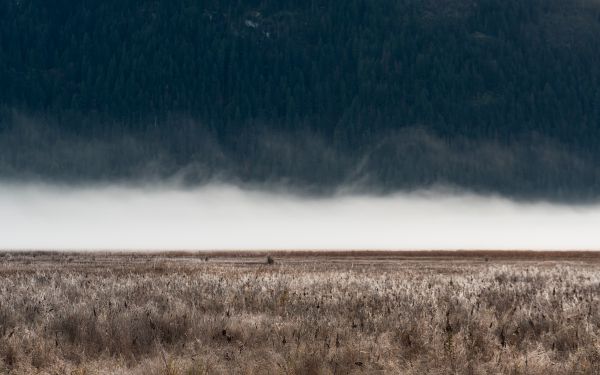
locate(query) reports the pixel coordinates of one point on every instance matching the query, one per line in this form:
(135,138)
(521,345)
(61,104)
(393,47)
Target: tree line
(352,74)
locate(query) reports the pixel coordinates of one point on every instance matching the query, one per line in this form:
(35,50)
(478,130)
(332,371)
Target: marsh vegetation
(318,314)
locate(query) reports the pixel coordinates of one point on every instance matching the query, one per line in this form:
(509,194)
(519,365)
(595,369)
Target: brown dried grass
(126,313)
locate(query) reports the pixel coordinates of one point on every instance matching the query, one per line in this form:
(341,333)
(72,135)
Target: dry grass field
(306,313)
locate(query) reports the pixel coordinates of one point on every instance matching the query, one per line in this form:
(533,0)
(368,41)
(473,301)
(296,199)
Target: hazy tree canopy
(243,86)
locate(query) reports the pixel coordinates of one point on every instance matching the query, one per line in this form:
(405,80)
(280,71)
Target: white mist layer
(225,217)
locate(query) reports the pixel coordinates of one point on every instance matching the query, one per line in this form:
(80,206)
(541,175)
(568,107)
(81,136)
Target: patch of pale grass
(142,317)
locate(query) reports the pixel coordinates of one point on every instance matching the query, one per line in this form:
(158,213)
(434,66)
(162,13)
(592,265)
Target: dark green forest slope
(491,95)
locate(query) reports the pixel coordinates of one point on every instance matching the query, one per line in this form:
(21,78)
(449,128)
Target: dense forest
(495,96)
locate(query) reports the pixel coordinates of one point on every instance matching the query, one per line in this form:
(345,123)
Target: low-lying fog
(226,217)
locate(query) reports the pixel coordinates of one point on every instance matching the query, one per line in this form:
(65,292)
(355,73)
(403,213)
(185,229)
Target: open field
(306,313)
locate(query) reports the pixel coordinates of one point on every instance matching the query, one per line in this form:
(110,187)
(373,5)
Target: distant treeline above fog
(490,95)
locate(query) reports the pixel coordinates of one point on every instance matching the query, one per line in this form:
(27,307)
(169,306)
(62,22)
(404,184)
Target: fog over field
(228,217)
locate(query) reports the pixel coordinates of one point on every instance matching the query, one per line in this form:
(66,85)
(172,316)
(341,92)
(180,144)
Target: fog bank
(226,217)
